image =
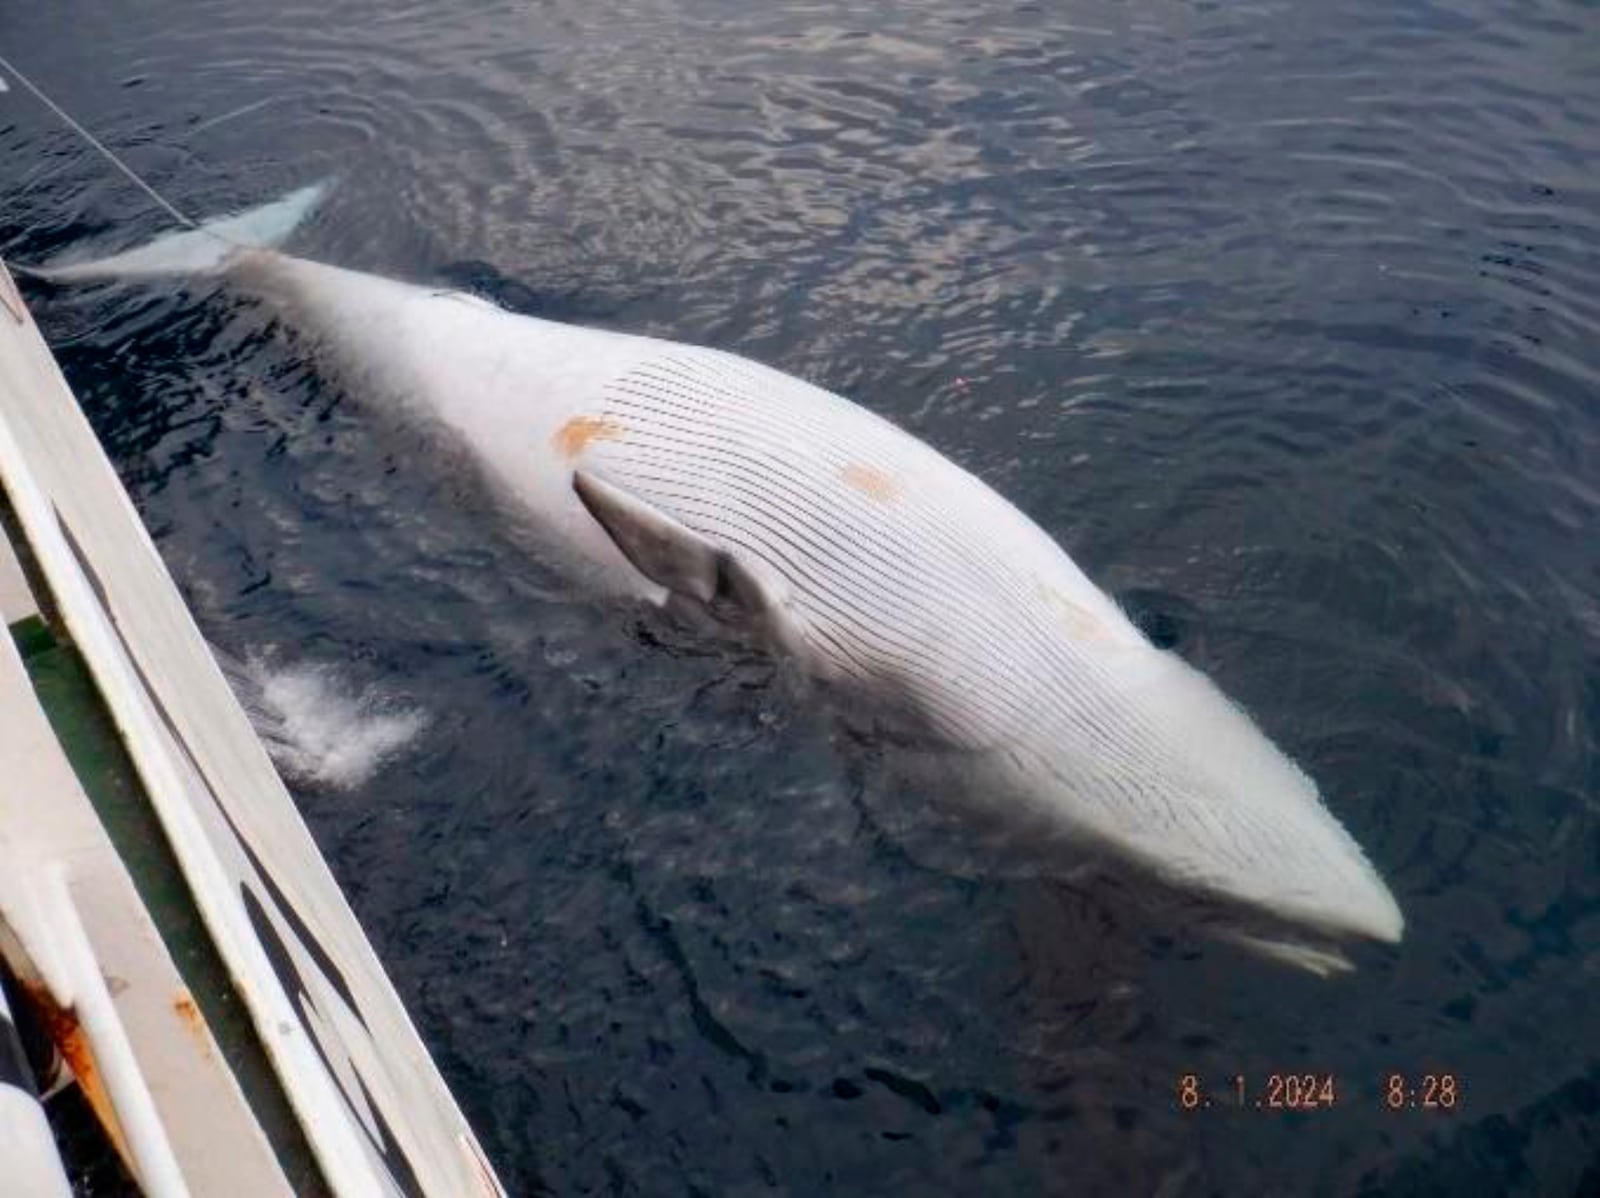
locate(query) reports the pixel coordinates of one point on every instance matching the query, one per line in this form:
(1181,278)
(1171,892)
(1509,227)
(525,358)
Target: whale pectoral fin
(659,547)
(748,589)
(735,590)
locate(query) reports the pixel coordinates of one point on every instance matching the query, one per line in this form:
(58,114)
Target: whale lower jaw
(1323,959)
(1314,936)
(1319,940)
(1323,938)
(1324,929)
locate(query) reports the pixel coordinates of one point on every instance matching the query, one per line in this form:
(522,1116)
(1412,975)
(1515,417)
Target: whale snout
(1311,887)
(1286,862)
(1312,936)
(1348,903)
(1185,787)
(1356,903)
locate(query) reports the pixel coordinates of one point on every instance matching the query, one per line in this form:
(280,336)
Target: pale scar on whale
(870,481)
(1078,622)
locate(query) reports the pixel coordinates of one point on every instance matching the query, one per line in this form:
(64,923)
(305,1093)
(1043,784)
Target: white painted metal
(32,1165)
(40,912)
(368,1095)
(15,598)
(27,1145)
(73,929)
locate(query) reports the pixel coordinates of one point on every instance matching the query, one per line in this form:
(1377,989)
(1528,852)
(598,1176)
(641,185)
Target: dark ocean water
(1282,317)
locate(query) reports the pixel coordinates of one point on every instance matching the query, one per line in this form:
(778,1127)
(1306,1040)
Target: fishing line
(99,145)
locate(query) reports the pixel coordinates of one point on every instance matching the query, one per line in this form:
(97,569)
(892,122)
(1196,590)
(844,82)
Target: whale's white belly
(665,468)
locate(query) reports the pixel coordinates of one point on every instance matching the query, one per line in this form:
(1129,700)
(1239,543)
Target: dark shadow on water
(573,306)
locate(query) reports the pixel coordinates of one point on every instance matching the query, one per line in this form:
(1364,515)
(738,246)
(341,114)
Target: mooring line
(99,145)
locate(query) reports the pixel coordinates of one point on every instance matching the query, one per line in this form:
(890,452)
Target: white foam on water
(318,727)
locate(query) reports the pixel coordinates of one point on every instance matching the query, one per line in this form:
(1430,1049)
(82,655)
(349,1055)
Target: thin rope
(99,145)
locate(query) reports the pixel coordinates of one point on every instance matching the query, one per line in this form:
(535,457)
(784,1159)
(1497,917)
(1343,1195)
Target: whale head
(1160,771)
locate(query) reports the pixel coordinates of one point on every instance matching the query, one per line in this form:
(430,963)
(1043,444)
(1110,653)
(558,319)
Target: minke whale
(694,478)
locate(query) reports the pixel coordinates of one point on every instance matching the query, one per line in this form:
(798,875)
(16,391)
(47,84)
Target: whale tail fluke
(208,248)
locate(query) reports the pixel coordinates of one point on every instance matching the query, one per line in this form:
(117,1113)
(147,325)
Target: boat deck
(162,904)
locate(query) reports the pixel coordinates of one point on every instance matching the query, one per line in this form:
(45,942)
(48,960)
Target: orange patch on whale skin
(871,482)
(575,435)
